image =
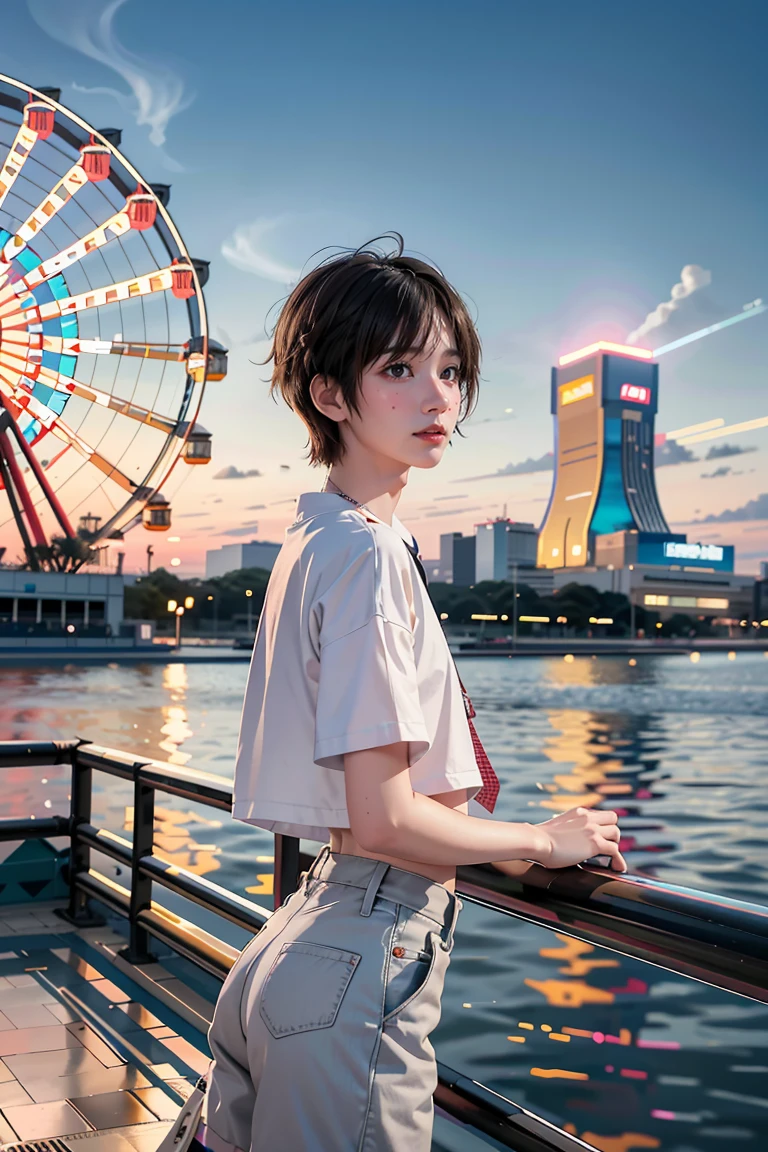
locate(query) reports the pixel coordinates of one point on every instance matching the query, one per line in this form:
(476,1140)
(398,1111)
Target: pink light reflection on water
(658,1044)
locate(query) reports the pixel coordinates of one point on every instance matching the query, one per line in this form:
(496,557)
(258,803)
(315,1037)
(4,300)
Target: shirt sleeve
(368,689)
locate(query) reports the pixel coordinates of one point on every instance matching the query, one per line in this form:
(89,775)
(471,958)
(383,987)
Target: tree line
(223,599)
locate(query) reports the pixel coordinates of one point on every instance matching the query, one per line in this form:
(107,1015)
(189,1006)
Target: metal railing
(712,939)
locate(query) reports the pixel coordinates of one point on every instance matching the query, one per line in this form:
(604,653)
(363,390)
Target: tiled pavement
(83,1047)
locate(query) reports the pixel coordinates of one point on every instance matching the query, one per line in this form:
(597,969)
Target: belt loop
(318,862)
(457,907)
(374,884)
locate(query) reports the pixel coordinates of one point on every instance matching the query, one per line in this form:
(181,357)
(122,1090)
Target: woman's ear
(326,397)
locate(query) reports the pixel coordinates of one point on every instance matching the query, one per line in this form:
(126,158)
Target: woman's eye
(455,370)
(397,370)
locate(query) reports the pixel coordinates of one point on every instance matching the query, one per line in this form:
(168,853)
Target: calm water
(681,748)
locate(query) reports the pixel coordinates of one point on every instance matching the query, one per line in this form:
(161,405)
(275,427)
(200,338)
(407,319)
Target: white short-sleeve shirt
(349,654)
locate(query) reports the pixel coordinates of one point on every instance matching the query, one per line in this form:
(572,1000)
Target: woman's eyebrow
(416,351)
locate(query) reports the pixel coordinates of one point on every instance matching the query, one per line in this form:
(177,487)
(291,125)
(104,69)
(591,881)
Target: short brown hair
(349,311)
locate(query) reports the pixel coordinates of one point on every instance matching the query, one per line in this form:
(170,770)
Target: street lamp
(178,611)
(179,614)
(215,614)
(249,596)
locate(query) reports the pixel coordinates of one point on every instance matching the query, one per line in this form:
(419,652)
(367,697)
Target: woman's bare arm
(388,817)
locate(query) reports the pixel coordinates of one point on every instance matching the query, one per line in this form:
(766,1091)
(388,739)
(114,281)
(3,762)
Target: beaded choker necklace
(350,498)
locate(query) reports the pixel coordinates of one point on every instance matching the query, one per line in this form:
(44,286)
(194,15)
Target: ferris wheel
(104,346)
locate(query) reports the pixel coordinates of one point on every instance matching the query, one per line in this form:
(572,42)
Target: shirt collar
(312,504)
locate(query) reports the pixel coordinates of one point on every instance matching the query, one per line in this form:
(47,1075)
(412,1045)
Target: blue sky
(561,162)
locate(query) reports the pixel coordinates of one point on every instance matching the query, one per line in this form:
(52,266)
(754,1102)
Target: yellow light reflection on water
(558,1074)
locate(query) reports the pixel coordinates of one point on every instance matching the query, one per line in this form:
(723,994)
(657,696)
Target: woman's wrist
(541,845)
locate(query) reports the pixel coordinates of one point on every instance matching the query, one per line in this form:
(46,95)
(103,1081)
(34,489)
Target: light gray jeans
(320,1037)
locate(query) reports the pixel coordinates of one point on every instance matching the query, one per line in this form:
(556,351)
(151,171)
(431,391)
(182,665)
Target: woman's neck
(381,503)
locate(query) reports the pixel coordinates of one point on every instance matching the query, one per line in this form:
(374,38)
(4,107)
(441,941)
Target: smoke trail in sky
(88,26)
(753,309)
(692,277)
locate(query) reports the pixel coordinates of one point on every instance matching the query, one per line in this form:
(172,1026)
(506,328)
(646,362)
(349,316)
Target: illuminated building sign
(675,550)
(577,390)
(635,392)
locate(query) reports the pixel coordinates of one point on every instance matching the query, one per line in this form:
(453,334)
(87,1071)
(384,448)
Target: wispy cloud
(245,249)
(722,451)
(723,470)
(242,530)
(453,511)
(670,452)
(545,463)
(692,277)
(756,509)
(233,473)
(157,93)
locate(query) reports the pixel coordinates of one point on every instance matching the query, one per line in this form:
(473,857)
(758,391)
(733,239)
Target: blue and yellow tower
(604,401)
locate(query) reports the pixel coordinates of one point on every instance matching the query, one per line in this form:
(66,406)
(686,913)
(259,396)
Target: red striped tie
(489,792)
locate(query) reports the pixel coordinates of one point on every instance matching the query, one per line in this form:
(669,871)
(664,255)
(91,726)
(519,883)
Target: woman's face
(399,399)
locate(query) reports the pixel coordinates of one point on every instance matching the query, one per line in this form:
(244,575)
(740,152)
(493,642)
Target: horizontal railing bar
(190,941)
(634,917)
(117,847)
(189,783)
(109,760)
(200,787)
(200,947)
(510,1125)
(244,913)
(114,895)
(33,828)
(36,753)
(599,888)
(638,918)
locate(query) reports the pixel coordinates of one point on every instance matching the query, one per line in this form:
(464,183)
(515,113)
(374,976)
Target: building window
(710,602)
(651,600)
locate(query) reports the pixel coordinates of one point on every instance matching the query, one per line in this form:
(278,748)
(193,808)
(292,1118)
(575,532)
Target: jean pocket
(305,987)
(408,972)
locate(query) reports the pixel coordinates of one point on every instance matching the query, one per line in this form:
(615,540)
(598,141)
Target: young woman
(354,733)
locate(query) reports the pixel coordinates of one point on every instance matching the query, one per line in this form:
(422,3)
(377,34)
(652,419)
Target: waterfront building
(604,403)
(457,559)
(604,525)
(503,545)
(232,557)
(49,610)
(506,550)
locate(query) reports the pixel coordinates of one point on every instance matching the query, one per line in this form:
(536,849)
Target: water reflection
(625,1055)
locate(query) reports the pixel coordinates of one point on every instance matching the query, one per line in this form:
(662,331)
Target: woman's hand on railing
(580,834)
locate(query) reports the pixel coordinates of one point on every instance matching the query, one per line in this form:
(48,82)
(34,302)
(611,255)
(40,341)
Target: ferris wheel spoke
(176,278)
(73,346)
(14,162)
(61,193)
(71,387)
(117,225)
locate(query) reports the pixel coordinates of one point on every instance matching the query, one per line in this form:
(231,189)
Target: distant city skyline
(578,172)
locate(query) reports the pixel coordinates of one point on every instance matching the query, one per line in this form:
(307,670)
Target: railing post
(138,951)
(286,867)
(79,911)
